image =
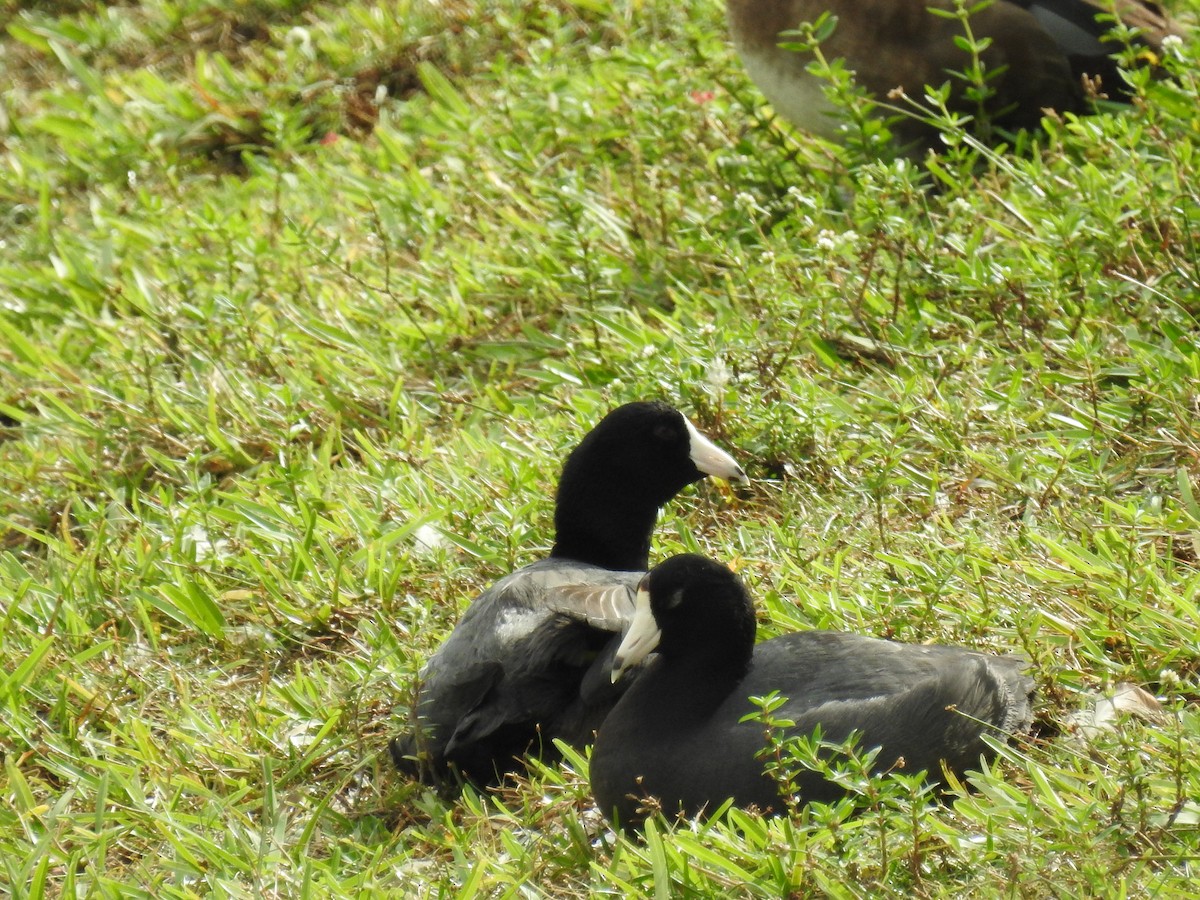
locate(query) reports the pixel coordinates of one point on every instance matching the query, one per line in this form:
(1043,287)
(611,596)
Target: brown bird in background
(1047,54)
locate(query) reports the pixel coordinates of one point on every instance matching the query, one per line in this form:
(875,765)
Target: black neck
(694,687)
(611,531)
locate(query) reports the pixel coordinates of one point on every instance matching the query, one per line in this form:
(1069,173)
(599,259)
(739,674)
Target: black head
(651,448)
(692,608)
(636,459)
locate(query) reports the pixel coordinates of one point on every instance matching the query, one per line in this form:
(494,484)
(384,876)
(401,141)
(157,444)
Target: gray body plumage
(929,705)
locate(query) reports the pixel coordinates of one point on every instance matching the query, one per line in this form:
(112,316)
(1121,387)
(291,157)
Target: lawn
(302,305)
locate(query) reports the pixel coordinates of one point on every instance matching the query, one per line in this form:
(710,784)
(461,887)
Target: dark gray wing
(512,672)
(608,607)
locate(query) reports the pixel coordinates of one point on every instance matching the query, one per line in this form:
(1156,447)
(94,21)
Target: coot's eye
(664,433)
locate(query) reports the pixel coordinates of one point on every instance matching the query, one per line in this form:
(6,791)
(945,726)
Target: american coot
(677,733)
(1039,52)
(530,659)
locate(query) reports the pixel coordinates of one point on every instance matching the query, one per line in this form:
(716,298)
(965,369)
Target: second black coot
(530,659)
(677,734)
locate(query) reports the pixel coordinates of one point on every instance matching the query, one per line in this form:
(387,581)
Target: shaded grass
(228,403)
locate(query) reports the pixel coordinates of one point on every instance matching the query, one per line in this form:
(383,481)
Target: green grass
(284,283)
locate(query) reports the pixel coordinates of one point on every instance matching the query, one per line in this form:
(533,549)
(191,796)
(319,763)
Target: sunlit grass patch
(302,305)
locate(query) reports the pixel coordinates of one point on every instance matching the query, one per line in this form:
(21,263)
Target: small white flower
(800,198)
(205,547)
(300,735)
(717,375)
(301,39)
(427,539)
(745,202)
(648,351)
